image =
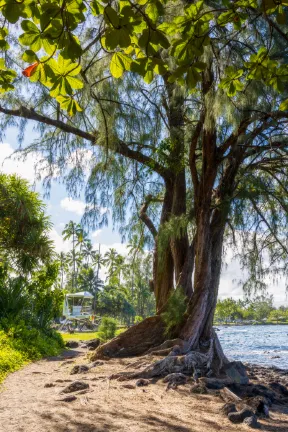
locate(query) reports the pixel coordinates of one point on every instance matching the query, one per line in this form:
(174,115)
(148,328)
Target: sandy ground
(27,406)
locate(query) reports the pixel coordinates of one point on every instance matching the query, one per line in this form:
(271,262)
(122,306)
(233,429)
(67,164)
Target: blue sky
(62,209)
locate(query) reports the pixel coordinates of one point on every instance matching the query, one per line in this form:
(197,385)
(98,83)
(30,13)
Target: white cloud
(78,206)
(25,169)
(96,233)
(72,205)
(14,164)
(232,274)
(60,244)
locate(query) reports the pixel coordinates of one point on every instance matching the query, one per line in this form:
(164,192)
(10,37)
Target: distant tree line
(125,294)
(259,309)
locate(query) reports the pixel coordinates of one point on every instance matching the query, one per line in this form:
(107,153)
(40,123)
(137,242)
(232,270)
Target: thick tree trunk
(163,275)
(137,340)
(179,243)
(196,332)
(198,327)
(163,270)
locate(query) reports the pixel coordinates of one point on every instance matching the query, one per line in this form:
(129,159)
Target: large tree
(197,150)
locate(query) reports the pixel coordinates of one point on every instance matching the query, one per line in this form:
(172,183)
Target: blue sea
(265,345)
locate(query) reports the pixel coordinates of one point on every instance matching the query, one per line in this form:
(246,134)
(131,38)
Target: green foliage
(138,319)
(7,76)
(259,308)
(13,301)
(30,300)
(172,229)
(126,292)
(107,328)
(175,310)
(24,228)
(228,310)
(136,34)
(278,315)
(20,345)
(113,300)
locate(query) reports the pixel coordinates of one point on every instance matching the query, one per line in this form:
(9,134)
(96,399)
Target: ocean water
(256,344)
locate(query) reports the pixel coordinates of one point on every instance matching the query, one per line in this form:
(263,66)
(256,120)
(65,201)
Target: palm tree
(74,231)
(82,238)
(88,252)
(63,266)
(115,263)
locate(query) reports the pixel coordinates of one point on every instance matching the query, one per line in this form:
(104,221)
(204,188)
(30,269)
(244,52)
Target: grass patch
(77,336)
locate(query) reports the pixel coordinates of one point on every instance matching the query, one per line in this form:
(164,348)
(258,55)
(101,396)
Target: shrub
(138,319)
(20,344)
(107,328)
(175,310)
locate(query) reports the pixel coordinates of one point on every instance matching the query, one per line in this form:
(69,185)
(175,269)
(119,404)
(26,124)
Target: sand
(27,406)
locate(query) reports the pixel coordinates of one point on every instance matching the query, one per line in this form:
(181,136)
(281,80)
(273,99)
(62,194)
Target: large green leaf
(69,104)
(119,63)
(111,16)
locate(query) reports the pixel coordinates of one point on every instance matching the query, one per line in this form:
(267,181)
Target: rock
(72,344)
(79,369)
(236,371)
(75,386)
(67,362)
(142,382)
(85,368)
(251,422)
(259,404)
(175,379)
(128,386)
(261,390)
(229,396)
(96,363)
(279,388)
(215,383)
(92,344)
(178,378)
(69,398)
(198,389)
(48,385)
(275,357)
(238,417)
(228,408)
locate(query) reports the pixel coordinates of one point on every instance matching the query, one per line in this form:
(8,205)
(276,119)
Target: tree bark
(163,270)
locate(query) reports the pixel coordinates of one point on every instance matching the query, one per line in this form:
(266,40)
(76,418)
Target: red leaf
(30,70)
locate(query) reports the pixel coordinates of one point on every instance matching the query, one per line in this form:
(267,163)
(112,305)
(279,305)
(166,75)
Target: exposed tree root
(171,343)
(135,341)
(207,362)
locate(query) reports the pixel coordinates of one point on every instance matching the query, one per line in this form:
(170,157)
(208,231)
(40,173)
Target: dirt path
(27,406)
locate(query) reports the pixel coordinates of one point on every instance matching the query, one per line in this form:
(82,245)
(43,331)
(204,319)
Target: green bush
(175,310)
(33,301)
(19,345)
(138,319)
(107,328)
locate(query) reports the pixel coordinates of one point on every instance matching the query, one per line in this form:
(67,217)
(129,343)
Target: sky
(63,208)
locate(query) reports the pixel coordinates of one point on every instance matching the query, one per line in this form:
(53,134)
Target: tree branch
(145,218)
(120,146)
(259,212)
